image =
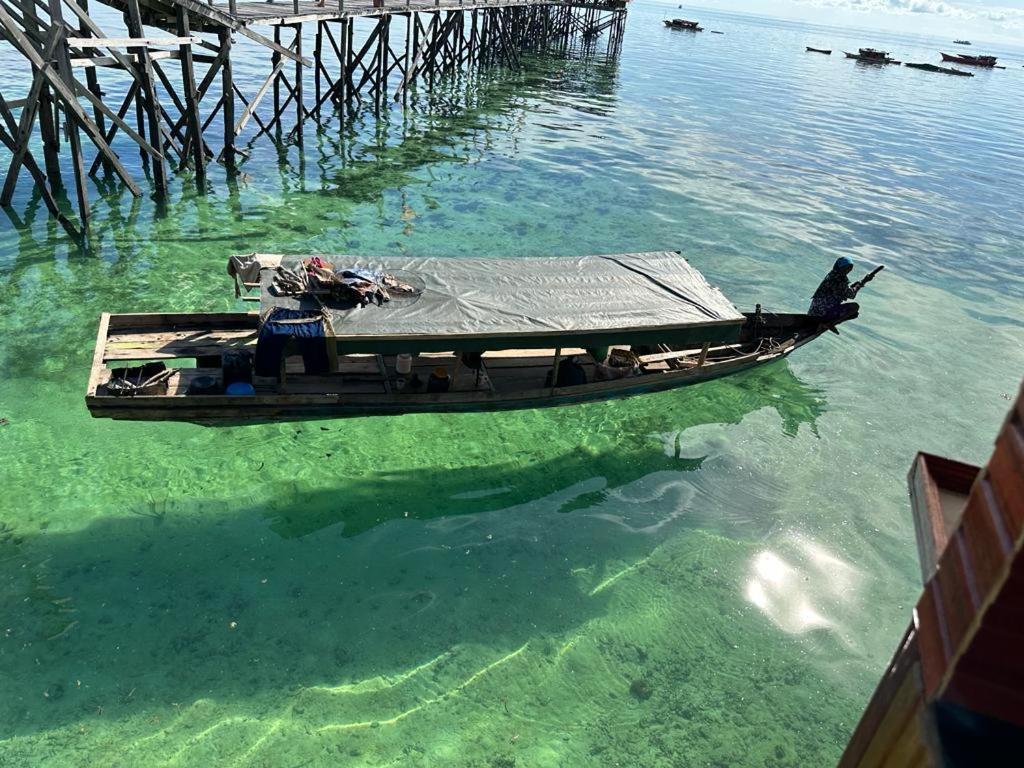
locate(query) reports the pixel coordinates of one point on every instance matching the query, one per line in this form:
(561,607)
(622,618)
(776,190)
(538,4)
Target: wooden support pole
(318,65)
(274,59)
(382,61)
(193,120)
(93,83)
(300,107)
(227,97)
(148,92)
(409,24)
(45,109)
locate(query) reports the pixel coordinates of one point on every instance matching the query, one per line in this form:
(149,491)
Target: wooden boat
(501,332)
(936,68)
(819,50)
(974,61)
(871,56)
(690,26)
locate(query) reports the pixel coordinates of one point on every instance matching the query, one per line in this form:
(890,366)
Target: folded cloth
(246,269)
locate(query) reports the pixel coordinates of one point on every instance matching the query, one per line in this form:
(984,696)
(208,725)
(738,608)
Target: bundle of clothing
(357,286)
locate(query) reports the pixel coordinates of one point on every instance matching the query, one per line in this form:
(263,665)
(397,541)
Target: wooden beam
(227,97)
(129,97)
(251,108)
(129,42)
(28,115)
(148,92)
(193,119)
(8,140)
(48,128)
(71,127)
(221,19)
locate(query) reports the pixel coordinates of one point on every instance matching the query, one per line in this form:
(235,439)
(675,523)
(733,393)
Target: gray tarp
(638,298)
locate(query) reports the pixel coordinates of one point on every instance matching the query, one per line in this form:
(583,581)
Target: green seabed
(192,632)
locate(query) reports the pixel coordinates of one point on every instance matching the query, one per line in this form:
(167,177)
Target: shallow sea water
(714,576)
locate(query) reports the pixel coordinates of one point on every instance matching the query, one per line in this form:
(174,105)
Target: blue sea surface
(708,577)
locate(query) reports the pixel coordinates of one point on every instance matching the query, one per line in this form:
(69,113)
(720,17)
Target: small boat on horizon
(435,335)
(936,68)
(685,24)
(827,52)
(871,56)
(988,62)
(961,42)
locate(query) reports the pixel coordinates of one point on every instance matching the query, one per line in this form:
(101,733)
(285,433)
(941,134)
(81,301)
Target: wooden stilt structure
(374,56)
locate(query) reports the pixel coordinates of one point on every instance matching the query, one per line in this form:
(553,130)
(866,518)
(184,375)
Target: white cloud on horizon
(1008,18)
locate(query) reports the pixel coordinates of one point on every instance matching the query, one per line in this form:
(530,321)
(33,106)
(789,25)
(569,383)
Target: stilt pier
(183,107)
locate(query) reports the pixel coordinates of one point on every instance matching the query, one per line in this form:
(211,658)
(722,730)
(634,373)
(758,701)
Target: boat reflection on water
(621,442)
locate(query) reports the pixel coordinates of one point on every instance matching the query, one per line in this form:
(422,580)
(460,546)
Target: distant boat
(961,42)
(716,32)
(974,61)
(819,50)
(689,26)
(871,56)
(937,68)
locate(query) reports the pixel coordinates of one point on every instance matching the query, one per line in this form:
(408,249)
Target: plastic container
(240,388)
(403,364)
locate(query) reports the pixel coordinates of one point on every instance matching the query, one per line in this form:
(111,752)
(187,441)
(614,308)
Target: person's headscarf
(843,264)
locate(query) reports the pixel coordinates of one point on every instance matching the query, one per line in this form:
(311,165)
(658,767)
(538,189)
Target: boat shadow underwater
(647,439)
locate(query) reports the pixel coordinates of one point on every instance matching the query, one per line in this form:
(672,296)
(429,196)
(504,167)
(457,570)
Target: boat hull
(869,59)
(787,332)
(970,61)
(688,26)
(937,68)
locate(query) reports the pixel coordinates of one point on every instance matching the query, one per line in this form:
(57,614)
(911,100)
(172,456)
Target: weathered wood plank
(129,42)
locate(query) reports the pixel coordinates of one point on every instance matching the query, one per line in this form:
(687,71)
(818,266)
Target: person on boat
(835,289)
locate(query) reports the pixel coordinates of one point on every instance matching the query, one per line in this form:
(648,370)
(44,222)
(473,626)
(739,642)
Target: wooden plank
(98,353)
(130,42)
(111,62)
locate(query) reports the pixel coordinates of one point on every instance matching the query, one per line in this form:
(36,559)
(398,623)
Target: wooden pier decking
(172,121)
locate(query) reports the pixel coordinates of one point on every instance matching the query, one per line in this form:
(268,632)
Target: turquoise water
(714,576)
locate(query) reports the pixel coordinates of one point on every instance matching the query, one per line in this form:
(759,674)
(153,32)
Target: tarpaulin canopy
(528,303)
